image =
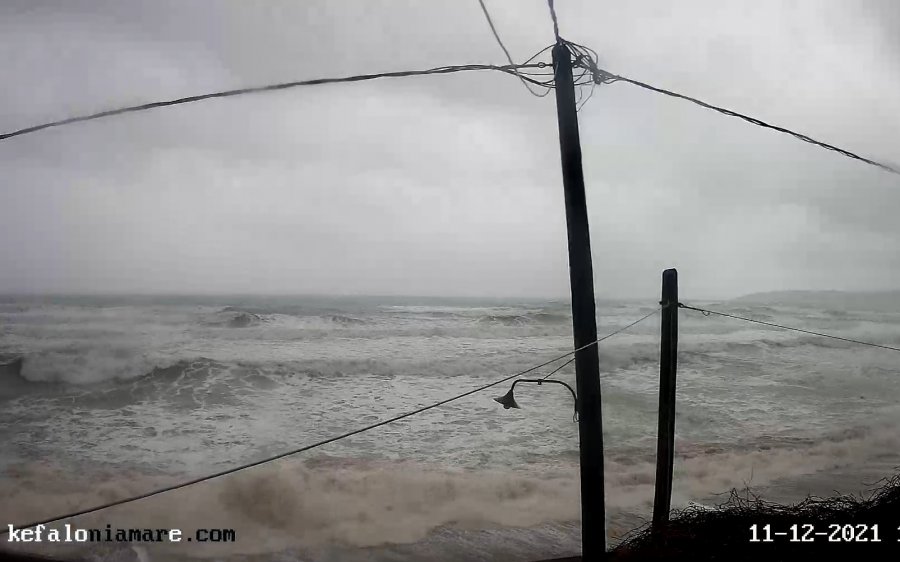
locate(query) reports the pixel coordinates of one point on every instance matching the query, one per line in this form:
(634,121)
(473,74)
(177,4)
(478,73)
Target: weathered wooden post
(584,314)
(665,444)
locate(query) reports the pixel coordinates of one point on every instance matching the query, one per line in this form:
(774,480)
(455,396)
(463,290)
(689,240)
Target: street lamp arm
(552,381)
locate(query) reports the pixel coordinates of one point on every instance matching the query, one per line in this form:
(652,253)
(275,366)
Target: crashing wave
(232,317)
(346,320)
(244,319)
(525,319)
(506,319)
(11,367)
(549,317)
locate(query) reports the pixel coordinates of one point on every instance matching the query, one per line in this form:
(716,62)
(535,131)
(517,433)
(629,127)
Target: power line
(558,369)
(584,57)
(307,447)
(606,337)
(555,21)
(708,312)
(601,76)
(490,22)
(508,69)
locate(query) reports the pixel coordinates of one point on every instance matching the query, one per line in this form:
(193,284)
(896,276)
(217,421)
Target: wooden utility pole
(665,440)
(584,314)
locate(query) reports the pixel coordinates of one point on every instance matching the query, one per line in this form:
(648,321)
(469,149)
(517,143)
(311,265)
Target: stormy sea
(102,398)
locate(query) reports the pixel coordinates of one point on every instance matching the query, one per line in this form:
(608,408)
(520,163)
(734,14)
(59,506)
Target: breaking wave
(347,320)
(528,318)
(232,317)
(364,503)
(86,364)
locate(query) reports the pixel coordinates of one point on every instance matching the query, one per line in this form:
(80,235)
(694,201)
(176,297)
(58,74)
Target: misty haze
(189,289)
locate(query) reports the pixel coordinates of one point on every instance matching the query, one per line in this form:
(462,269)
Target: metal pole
(584,319)
(668,355)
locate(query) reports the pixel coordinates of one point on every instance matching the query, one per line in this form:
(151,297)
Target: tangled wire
(585,68)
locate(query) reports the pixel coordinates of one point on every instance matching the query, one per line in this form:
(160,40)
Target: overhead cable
(606,337)
(708,312)
(490,22)
(508,69)
(587,58)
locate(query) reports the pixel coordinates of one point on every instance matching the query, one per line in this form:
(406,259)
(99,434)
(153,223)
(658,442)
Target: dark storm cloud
(446,184)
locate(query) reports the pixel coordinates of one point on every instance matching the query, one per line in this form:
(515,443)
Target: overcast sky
(444,185)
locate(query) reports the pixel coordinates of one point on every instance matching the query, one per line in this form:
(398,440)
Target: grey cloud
(449,184)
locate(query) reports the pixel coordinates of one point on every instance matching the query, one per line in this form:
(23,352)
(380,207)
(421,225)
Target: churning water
(117,396)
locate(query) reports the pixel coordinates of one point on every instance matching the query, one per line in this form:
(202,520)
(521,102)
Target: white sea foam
(301,504)
(131,396)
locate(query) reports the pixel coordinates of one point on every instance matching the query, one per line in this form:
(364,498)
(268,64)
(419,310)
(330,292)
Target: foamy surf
(305,505)
(126,397)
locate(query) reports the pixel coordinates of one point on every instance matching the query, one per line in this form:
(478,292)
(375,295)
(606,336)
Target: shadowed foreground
(839,525)
(845,526)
